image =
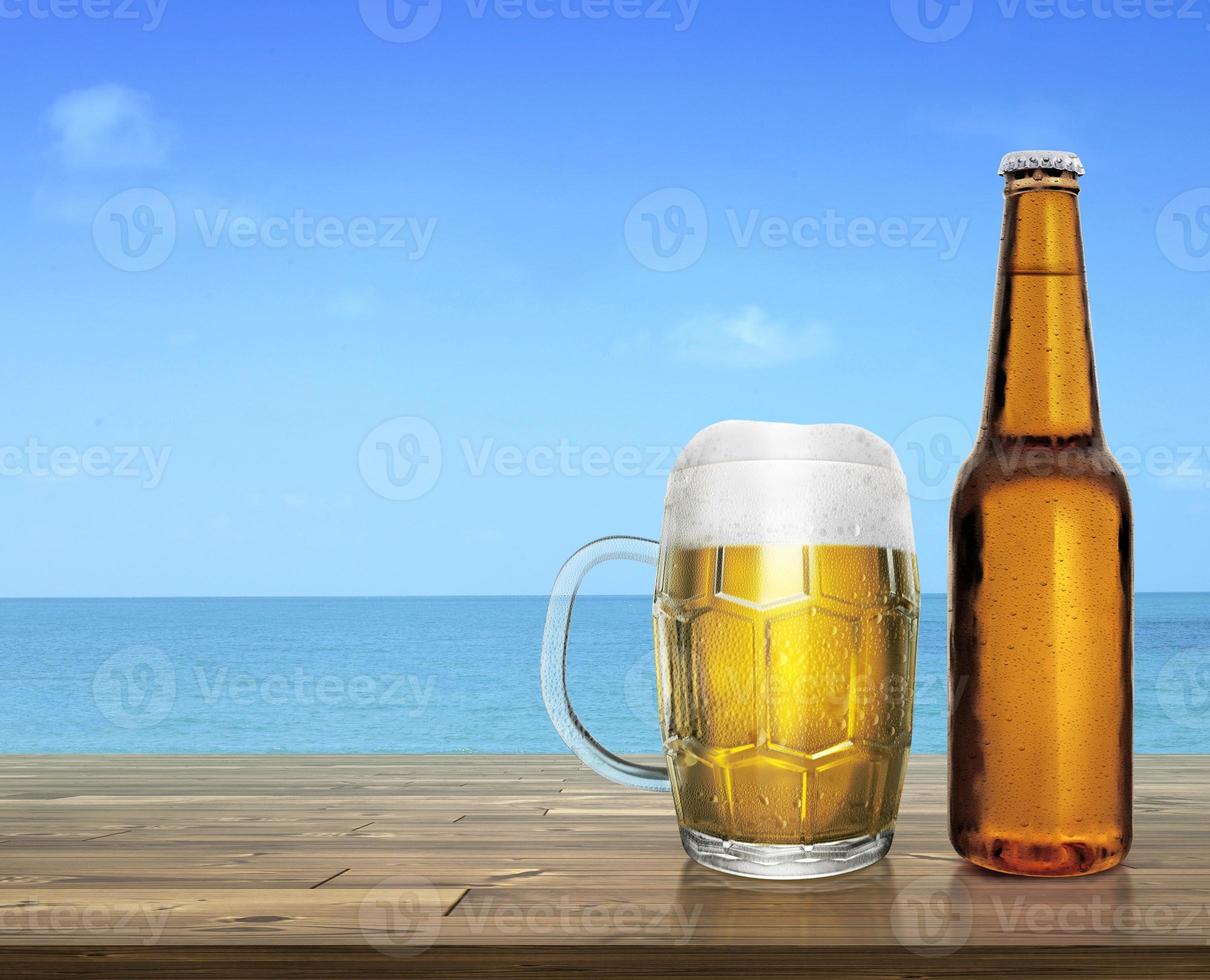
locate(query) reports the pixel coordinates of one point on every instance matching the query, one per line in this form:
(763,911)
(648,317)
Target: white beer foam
(751,483)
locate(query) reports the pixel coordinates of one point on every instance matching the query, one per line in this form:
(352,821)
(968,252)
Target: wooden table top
(477,865)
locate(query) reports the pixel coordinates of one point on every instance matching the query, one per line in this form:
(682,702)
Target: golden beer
(1040,570)
(786,608)
(785,683)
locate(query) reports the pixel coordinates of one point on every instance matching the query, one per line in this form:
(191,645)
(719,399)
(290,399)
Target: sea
(430,675)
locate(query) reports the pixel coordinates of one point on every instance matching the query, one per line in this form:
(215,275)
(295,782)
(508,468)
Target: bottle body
(1040,664)
(1041,581)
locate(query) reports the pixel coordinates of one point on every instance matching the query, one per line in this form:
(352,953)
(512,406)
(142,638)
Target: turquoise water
(428,675)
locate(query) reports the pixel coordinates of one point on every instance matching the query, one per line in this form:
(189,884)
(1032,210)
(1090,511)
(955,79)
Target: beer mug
(786,609)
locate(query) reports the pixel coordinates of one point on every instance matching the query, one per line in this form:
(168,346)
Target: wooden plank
(495,865)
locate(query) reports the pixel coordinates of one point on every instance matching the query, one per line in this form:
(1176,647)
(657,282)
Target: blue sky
(269,266)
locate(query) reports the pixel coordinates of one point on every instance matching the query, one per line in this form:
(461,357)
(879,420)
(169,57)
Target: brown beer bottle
(1041,580)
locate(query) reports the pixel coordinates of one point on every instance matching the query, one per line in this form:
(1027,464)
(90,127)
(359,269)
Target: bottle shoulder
(994,463)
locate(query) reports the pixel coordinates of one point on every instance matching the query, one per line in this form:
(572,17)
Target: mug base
(786,861)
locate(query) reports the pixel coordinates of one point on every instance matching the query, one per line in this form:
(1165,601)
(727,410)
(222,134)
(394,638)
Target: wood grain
(474,865)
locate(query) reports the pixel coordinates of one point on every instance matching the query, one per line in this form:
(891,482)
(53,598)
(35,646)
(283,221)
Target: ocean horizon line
(423,595)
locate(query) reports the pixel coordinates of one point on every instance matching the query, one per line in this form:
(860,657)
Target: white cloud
(107,127)
(749,339)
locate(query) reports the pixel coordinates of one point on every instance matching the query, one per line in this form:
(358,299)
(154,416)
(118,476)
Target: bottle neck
(1041,379)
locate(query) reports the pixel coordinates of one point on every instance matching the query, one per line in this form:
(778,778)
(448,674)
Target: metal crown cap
(1044,159)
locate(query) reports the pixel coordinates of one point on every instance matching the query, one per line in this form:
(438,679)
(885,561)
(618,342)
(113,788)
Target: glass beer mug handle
(554,662)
